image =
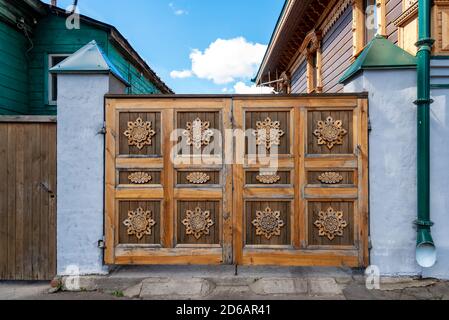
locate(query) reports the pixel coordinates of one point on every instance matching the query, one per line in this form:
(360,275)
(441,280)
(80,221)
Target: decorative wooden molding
(358,26)
(330,132)
(268,178)
(198,178)
(140,177)
(139,133)
(330,178)
(336,13)
(268,223)
(408,3)
(410,12)
(198,133)
(268,133)
(197,223)
(331,223)
(139,223)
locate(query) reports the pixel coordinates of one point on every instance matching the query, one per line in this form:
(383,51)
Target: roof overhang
(297,19)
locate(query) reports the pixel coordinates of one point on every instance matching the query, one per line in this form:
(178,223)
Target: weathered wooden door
(164,205)
(27,198)
(272,180)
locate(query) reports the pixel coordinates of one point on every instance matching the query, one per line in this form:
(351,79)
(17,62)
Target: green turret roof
(380,53)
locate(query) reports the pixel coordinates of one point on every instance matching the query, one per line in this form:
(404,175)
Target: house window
(369,19)
(53,60)
(313,73)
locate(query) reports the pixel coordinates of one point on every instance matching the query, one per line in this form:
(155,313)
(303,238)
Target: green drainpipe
(425,250)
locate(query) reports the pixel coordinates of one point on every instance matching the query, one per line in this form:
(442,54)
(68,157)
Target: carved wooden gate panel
(313,210)
(215,200)
(163,206)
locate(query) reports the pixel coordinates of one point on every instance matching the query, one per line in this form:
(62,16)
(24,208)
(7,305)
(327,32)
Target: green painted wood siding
(26,92)
(13,71)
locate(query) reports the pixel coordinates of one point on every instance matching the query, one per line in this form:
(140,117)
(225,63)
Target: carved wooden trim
(197,223)
(139,133)
(410,13)
(331,223)
(268,223)
(140,177)
(330,132)
(198,178)
(336,13)
(268,133)
(330,178)
(198,133)
(139,223)
(268,178)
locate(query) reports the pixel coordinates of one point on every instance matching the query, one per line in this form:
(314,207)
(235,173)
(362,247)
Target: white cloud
(227,61)
(176,11)
(242,88)
(175,74)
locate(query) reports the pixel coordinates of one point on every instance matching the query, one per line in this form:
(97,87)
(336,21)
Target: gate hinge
(103,129)
(370,128)
(370,243)
(102,243)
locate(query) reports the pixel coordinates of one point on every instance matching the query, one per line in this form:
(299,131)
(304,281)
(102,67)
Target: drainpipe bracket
(424,223)
(425,42)
(423,101)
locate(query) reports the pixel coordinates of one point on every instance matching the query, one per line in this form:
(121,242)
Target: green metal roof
(380,53)
(88,59)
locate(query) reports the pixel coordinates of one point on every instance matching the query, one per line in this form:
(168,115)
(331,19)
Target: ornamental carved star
(331,223)
(330,132)
(197,223)
(139,223)
(140,133)
(198,133)
(268,223)
(268,133)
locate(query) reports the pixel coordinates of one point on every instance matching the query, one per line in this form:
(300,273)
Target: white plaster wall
(80,173)
(393,191)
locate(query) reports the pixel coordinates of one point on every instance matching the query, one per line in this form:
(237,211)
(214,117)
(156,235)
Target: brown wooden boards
(27,198)
(215,200)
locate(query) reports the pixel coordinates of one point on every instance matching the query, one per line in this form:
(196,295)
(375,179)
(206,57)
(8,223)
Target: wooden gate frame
(233,250)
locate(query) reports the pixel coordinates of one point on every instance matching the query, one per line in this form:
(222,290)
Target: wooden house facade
(34,37)
(315,42)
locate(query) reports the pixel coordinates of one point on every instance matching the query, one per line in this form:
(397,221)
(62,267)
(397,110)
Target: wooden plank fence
(27,198)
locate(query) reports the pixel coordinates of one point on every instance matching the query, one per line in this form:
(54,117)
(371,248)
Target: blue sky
(167,32)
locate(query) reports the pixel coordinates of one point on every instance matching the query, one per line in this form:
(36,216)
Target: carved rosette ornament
(197,223)
(198,178)
(140,133)
(268,178)
(268,133)
(139,223)
(331,223)
(330,132)
(198,133)
(268,223)
(140,177)
(330,178)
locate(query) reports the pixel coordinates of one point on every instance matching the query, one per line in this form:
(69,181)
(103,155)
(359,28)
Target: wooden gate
(27,198)
(249,180)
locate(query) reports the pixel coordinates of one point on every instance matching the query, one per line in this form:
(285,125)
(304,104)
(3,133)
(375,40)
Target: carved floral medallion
(198,178)
(268,133)
(330,132)
(330,178)
(139,223)
(140,133)
(331,223)
(268,223)
(140,177)
(268,178)
(197,222)
(198,133)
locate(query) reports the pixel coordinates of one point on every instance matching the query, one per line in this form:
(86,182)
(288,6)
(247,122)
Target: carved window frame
(359,23)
